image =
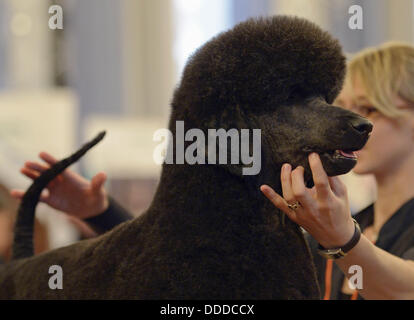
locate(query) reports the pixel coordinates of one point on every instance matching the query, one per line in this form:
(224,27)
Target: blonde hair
(385,71)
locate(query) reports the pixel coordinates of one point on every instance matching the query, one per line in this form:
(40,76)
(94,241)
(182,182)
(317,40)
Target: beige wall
(29,51)
(314,10)
(148,66)
(401,20)
(384,20)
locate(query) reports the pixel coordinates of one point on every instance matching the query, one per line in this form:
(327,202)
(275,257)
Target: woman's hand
(324,210)
(68,192)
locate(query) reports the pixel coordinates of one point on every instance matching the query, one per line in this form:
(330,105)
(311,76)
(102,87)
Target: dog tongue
(351,154)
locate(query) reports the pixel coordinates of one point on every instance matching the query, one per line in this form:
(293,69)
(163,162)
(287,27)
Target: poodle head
(280,75)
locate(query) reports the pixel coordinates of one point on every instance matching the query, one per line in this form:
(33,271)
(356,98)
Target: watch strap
(336,253)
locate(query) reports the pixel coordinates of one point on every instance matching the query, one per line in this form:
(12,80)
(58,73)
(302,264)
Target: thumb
(98,181)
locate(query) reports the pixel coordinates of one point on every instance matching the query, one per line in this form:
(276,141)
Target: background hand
(69,192)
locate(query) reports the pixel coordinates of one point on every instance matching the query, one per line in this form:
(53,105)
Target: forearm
(385,276)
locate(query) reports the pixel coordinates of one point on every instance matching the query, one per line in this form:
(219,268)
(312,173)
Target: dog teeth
(341,153)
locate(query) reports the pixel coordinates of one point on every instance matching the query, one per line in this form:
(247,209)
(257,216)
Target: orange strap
(328,282)
(328,278)
(354,295)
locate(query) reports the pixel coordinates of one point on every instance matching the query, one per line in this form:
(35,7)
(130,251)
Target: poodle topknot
(260,64)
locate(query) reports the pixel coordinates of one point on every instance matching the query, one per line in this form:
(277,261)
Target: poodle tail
(23,234)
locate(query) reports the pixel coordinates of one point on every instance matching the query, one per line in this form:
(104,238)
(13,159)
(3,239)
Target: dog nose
(362,125)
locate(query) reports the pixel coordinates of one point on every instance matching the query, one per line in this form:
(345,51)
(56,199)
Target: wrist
(105,205)
(100,208)
(340,237)
(112,216)
(341,251)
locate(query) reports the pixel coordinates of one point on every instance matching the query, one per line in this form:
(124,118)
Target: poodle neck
(209,192)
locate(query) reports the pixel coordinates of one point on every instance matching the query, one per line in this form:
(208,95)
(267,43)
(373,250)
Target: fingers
(98,181)
(51,160)
(29,173)
(278,201)
(293,185)
(33,170)
(36,166)
(286,179)
(18,194)
(48,158)
(320,178)
(300,192)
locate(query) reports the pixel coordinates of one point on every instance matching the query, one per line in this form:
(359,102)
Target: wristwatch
(337,253)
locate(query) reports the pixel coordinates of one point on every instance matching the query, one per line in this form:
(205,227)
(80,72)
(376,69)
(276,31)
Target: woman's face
(391,142)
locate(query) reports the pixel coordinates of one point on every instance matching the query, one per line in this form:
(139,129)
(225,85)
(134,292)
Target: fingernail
(313,156)
(285,166)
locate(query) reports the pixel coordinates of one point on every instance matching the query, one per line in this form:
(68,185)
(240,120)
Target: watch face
(332,253)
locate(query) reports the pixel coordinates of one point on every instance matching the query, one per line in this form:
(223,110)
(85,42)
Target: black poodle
(209,233)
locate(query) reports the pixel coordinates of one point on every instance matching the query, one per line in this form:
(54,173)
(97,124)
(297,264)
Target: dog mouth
(335,162)
(340,161)
(340,158)
(338,155)
(344,155)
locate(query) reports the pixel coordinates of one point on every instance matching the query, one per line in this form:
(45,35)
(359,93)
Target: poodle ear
(258,169)
(234,143)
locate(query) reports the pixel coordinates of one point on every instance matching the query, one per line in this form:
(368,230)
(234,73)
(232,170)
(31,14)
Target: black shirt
(111,217)
(396,236)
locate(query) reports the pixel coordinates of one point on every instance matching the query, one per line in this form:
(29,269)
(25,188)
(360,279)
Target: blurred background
(114,66)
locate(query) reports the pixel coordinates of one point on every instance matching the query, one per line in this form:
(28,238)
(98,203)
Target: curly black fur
(209,233)
(261,64)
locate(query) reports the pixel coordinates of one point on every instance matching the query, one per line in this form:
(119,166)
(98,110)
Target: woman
(378,77)
(379,86)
